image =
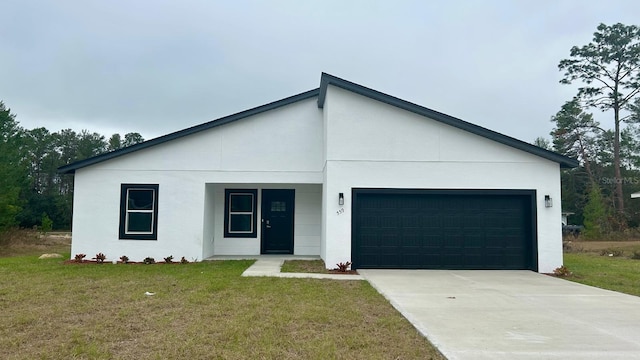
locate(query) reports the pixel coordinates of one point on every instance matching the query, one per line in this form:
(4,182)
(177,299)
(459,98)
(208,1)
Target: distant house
(565,216)
(343,172)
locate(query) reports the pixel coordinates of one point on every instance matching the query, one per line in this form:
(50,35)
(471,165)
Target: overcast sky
(155,67)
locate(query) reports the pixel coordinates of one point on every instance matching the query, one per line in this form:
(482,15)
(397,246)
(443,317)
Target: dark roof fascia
(71,168)
(327,79)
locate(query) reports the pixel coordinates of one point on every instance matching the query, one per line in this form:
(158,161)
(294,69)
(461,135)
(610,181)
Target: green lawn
(614,273)
(202,310)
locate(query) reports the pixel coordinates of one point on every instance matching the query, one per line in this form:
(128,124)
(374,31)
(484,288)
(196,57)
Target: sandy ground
(57,237)
(28,242)
(601,245)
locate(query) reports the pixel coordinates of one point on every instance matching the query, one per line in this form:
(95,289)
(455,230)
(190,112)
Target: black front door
(277,221)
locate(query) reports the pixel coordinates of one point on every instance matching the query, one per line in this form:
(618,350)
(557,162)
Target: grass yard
(199,311)
(614,273)
(591,264)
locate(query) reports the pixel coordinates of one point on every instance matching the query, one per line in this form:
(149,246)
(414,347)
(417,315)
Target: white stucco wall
(287,139)
(97,210)
(209,216)
(282,146)
(374,145)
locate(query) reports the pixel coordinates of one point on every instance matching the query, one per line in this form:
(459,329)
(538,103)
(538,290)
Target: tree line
(607,71)
(32,193)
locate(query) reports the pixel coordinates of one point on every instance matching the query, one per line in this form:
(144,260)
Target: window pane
(140,222)
(241,202)
(277,206)
(240,223)
(139,199)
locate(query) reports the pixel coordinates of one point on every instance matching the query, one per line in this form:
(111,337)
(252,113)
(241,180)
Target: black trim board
(320,93)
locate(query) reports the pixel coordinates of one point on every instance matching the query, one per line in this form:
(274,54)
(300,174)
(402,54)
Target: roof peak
(328,79)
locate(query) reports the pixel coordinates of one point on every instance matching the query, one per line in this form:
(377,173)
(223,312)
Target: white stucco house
(343,172)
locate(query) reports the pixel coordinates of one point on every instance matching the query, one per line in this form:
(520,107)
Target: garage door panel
(443,230)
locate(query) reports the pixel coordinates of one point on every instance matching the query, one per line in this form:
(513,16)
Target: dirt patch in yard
(627,249)
(15,242)
(597,246)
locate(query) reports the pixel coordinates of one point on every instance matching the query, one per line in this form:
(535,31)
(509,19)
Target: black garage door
(443,229)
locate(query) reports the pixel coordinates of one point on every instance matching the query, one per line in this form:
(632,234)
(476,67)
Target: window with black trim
(240,213)
(139,211)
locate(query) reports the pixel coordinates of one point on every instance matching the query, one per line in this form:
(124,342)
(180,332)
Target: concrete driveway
(513,314)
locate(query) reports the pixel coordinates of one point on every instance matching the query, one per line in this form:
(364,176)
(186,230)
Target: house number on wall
(340,212)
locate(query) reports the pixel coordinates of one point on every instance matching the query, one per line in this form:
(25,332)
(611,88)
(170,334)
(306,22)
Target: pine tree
(595,215)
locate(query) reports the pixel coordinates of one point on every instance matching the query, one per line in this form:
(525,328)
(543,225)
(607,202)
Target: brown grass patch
(596,246)
(627,248)
(17,242)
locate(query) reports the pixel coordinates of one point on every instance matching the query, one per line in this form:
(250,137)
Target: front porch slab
(270,265)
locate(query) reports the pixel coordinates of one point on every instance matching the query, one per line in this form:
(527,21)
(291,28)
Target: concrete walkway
(270,266)
(513,314)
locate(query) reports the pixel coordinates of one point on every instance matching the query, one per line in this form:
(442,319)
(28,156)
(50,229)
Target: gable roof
(71,168)
(320,93)
(326,80)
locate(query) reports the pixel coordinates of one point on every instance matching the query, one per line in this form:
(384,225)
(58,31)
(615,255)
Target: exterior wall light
(341,199)
(548,202)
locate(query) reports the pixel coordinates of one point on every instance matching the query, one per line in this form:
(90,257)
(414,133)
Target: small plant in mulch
(124,259)
(184,260)
(168,259)
(611,252)
(561,271)
(149,261)
(79,257)
(343,267)
(100,258)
